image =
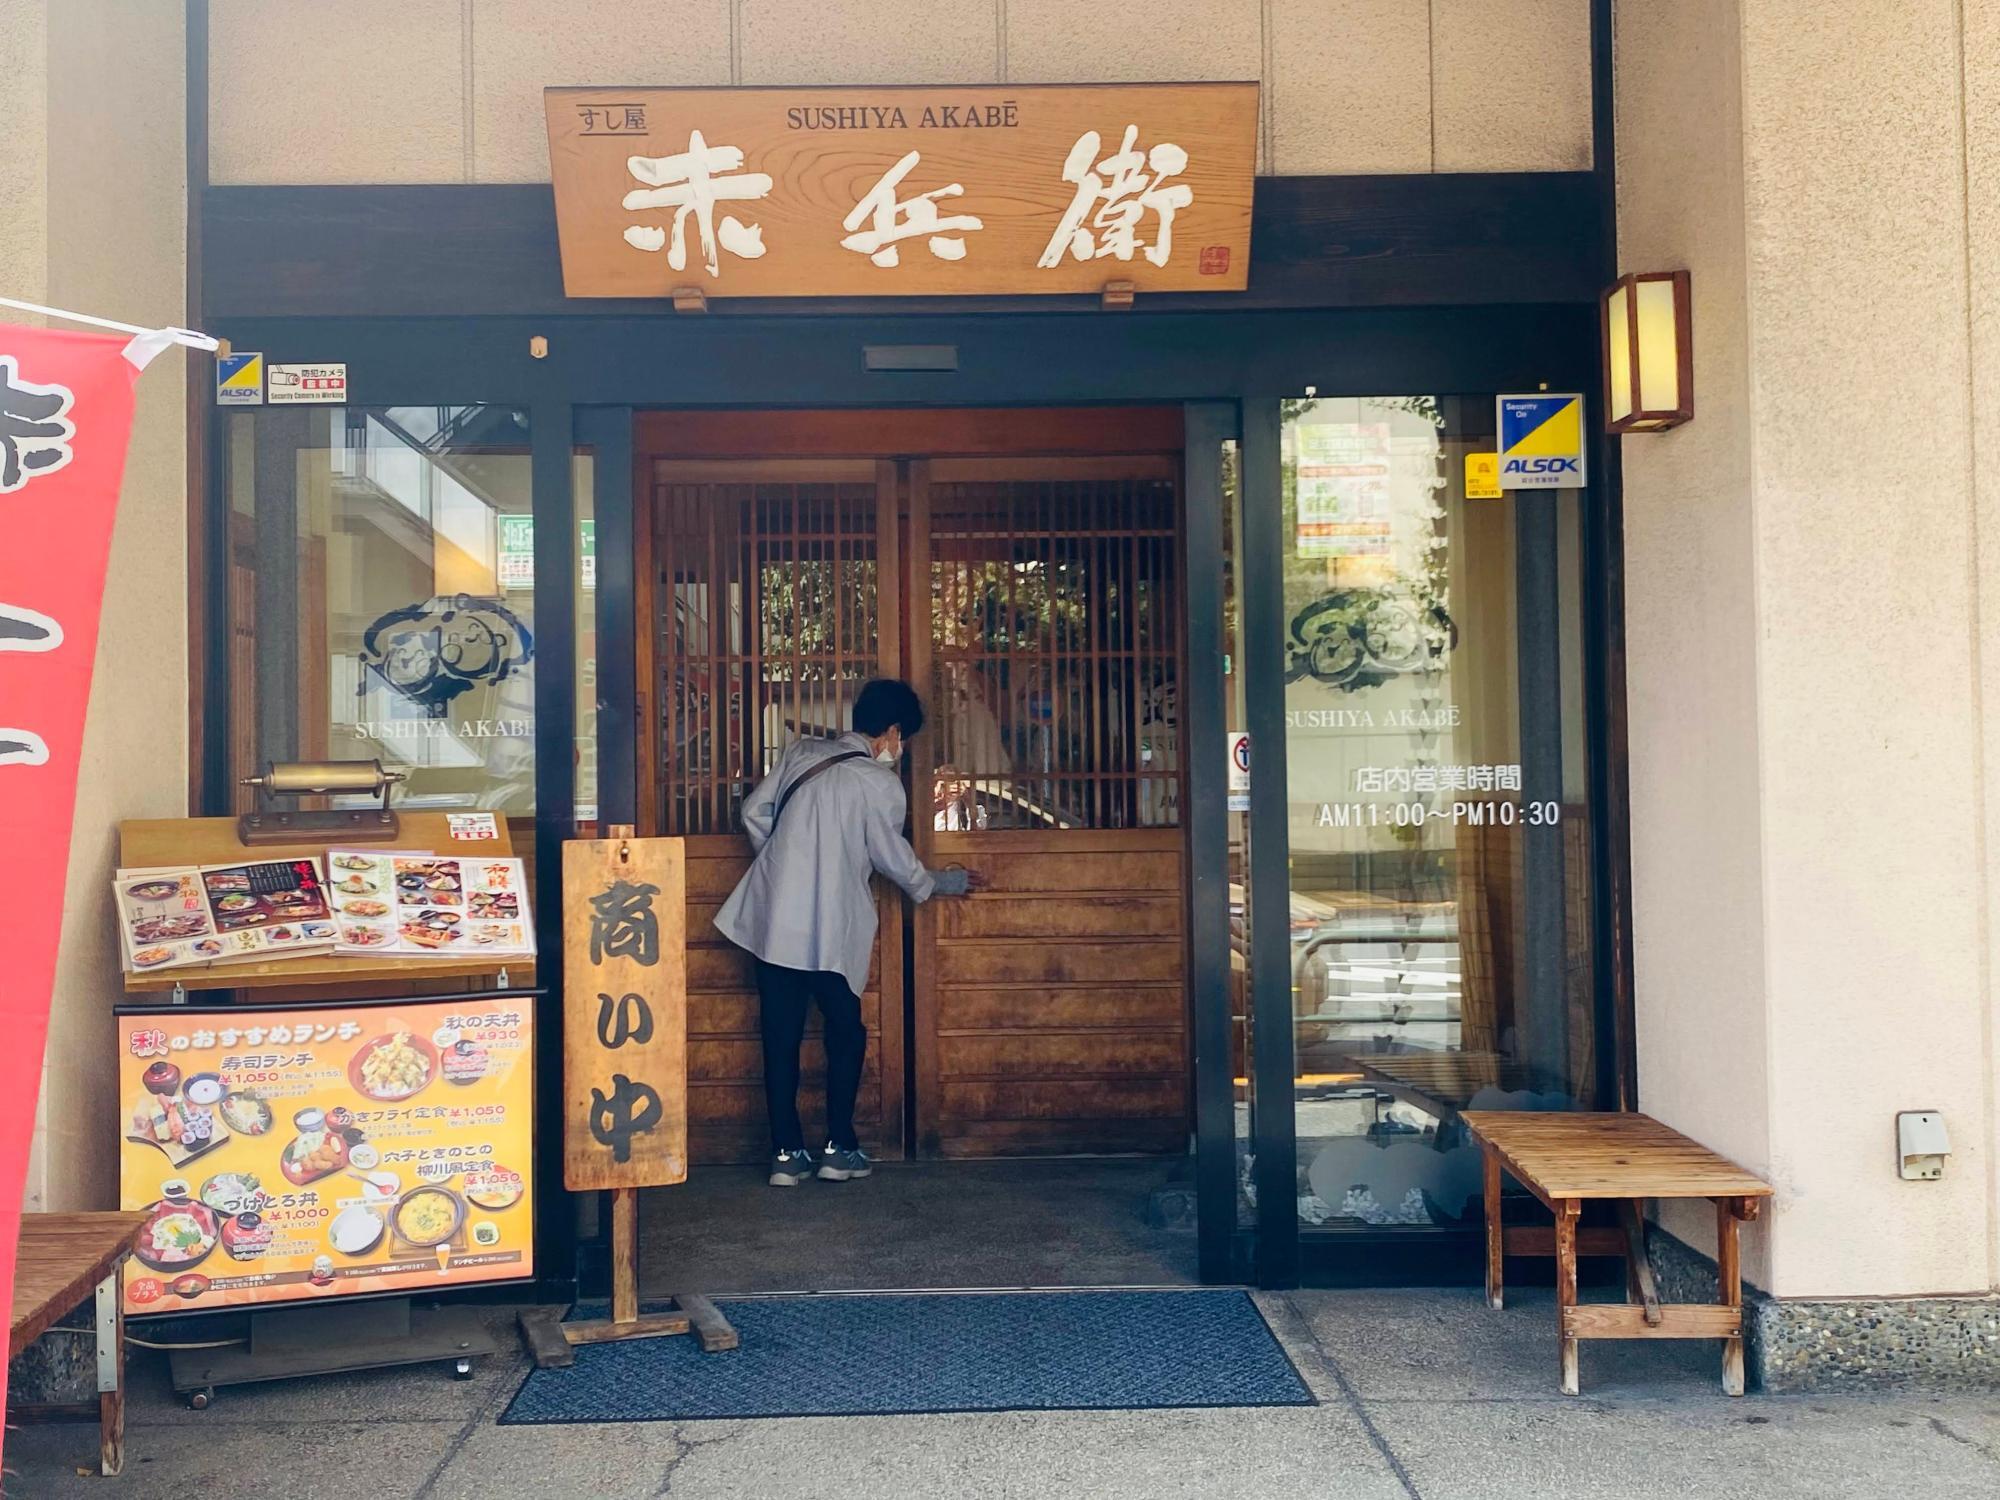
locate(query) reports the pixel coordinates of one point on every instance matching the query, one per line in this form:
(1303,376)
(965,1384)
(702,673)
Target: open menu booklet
(398,902)
(411,903)
(194,916)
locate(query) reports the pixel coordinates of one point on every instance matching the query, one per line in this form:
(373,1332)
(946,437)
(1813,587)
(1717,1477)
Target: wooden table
(63,1259)
(1565,1159)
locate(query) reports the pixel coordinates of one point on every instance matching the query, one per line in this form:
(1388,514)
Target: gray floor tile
(1446,1344)
(928,1224)
(1590,1449)
(351,1460)
(1260,1454)
(605,1461)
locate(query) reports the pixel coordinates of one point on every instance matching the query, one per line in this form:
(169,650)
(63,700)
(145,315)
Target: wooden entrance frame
(826,446)
(1424,305)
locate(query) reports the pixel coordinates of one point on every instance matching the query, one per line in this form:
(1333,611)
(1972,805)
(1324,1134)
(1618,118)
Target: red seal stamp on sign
(1214,260)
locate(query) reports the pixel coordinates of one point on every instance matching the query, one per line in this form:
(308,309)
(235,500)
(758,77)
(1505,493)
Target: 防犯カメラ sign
(891,192)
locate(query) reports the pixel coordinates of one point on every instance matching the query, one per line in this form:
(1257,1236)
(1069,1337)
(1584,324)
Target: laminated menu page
(214,914)
(163,920)
(412,904)
(364,897)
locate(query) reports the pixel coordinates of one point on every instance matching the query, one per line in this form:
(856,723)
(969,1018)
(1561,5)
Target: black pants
(787,995)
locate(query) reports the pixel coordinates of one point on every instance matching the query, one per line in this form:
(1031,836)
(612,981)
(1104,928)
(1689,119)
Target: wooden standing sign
(624,1070)
(624,1013)
(903,191)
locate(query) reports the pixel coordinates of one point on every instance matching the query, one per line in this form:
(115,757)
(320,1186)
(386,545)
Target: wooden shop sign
(624,1013)
(893,191)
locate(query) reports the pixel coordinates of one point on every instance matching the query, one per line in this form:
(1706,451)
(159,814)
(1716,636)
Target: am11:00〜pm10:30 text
(1417,814)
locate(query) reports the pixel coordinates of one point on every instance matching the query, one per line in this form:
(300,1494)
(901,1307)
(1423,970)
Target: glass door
(1421,945)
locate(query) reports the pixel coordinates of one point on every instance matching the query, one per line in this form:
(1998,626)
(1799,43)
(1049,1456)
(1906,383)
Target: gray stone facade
(1849,1343)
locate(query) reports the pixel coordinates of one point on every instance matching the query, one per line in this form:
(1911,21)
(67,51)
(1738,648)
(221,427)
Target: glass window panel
(1424,874)
(1243,1022)
(382,597)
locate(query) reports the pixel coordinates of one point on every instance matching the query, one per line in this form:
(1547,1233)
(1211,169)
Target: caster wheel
(198,1400)
(462,1370)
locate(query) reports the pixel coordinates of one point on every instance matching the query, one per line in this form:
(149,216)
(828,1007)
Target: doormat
(886,1355)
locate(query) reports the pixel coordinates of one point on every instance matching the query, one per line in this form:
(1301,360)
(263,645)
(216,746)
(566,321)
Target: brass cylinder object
(312,778)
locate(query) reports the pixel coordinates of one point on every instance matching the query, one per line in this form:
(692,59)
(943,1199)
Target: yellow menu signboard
(306,1152)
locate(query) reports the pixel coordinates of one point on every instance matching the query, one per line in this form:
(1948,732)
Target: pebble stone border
(1849,1344)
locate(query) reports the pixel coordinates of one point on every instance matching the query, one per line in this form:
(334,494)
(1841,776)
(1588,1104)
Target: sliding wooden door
(1050,1013)
(1025,577)
(766,585)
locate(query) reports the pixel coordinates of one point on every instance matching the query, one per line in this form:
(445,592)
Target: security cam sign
(1541,442)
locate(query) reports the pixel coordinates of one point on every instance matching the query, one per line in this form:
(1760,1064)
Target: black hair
(886,703)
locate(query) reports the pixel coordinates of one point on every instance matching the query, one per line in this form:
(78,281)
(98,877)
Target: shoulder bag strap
(826,765)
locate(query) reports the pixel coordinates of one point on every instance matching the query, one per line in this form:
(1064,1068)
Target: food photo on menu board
(310,1152)
(412,903)
(218,914)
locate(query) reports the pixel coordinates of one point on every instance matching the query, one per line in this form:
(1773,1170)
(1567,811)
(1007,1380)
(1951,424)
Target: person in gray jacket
(829,814)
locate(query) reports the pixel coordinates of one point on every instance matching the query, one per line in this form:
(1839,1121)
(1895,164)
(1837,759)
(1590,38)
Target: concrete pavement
(1424,1393)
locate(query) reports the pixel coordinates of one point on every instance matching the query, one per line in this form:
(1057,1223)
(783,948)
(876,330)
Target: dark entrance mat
(877,1355)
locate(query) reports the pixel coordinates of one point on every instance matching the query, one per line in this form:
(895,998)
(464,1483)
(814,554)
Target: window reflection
(382,596)
(1409,820)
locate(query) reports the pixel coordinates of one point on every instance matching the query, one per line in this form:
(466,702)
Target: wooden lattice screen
(1055,624)
(769,619)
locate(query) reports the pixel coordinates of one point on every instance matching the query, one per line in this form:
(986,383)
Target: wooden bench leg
(1566,1212)
(1640,1286)
(1496,1237)
(1729,1273)
(110,1376)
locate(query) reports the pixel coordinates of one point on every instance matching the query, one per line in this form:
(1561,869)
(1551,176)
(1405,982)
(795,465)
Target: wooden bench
(1564,1159)
(63,1259)
(1452,1079)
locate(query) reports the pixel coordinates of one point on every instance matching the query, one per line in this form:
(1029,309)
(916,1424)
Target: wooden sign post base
(553,1342)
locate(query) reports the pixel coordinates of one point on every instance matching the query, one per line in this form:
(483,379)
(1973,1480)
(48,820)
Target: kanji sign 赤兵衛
(903,191)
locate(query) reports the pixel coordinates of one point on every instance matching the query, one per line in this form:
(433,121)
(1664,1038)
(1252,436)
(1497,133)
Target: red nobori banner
(65,416)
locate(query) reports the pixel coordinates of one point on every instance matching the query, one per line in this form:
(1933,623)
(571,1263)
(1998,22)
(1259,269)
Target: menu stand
(288,1343)
(344,1334)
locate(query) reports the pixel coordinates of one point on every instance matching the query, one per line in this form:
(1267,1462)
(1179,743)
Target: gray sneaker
(836,1165)
(790,1168)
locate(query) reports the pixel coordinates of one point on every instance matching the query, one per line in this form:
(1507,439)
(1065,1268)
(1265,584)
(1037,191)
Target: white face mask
(890,753)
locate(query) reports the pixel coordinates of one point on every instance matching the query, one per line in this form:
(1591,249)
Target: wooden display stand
(287,1342)
(163,842)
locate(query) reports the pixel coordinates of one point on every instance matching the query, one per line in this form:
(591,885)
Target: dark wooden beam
(469,251)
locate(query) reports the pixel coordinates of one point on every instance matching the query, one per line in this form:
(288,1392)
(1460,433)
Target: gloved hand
(950,882)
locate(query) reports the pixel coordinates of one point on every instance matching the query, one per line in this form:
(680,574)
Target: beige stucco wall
(24,217)
(450,90)
(1807,628)
(1981,113)
(109,202)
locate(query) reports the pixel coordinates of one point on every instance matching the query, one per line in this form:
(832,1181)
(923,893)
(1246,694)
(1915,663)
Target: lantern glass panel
(1659,347)
(1618,353)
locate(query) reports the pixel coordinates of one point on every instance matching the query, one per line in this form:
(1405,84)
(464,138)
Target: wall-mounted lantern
(1648,352)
